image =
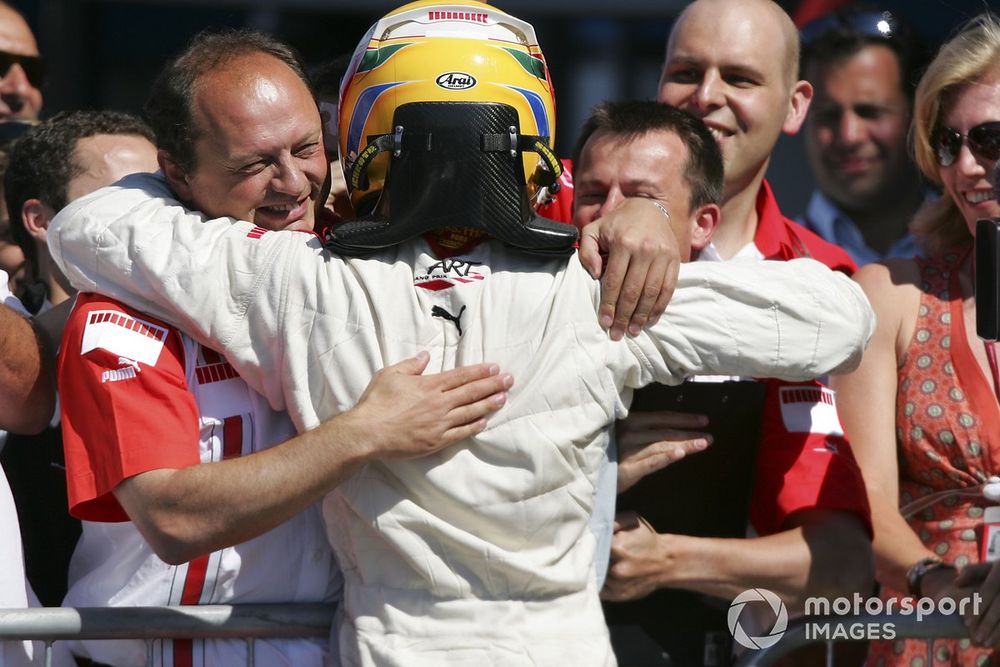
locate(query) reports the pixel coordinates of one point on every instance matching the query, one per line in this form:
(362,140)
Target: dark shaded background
(104,54)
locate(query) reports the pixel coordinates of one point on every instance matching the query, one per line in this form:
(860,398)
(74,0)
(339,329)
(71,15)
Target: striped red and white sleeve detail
(125,403)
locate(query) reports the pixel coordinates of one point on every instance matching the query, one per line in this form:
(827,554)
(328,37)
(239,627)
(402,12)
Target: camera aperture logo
(757,595)
(854,617)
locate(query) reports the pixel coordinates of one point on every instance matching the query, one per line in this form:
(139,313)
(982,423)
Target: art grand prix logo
(763,599)
(448,273)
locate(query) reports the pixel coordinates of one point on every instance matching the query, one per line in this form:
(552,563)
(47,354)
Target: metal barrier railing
(930,627)
(248,622)
(296,621)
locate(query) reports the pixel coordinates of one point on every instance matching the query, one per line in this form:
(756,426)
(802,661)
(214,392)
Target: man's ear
(36,216)
(801,96)
(175,174)
(703,224)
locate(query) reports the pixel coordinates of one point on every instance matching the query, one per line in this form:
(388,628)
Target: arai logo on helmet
(456,81)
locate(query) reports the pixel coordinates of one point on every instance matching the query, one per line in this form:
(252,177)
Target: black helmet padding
(453,164)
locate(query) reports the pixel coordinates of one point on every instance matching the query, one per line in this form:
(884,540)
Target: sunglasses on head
(984,142)
(34,67)
(882,25)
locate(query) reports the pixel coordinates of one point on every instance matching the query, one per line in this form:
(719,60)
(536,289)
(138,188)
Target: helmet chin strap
(455,165)
(400,140)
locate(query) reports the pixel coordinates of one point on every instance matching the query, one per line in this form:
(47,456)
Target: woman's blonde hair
(970,55)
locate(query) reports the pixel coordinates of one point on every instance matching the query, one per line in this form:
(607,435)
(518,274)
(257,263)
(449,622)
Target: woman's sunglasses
(984,142)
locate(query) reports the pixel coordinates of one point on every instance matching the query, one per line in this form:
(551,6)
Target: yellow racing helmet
(447,115)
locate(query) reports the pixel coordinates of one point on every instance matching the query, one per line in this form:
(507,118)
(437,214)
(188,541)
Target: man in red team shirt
(808,507)
(193,488)
(732,63)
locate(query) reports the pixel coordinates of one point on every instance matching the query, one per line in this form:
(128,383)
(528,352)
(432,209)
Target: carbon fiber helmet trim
(449,169)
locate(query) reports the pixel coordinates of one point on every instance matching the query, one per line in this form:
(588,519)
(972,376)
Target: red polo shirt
(777,237)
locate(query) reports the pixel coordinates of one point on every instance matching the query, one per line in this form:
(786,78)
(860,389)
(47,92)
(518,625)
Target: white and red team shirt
(806,460)
(139,395)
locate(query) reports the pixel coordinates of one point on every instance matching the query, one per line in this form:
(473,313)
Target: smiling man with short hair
(194,489)
(864,66)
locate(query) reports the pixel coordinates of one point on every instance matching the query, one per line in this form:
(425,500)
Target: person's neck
(887,221)
(58,294)
(57,285)
(738,224)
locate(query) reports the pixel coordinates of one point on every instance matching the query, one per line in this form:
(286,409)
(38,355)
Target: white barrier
(259,621)
(249,622)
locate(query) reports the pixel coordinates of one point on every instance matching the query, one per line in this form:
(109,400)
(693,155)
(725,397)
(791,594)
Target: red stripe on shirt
(232,445)
(194,582)
(211,356)
(215,373)
(232,437)
(804,396)
(183,653)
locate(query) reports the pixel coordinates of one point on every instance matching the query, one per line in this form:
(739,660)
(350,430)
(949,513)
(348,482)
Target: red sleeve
(805,461)
(125,403)
(560,209)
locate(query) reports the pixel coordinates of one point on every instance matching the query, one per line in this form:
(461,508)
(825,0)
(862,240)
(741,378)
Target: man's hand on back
(650,441)
(640,274)
(404,414)
(638,560)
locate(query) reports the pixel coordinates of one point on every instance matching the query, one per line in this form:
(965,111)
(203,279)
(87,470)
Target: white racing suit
(480,554)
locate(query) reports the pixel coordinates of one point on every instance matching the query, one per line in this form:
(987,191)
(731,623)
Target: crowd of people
(231,378)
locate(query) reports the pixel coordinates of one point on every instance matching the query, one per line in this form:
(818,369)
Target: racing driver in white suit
(480,554)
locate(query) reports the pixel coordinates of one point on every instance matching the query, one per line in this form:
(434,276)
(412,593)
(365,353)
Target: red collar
(774,237)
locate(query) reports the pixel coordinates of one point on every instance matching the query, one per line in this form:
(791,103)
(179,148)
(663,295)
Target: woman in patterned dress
(922,410)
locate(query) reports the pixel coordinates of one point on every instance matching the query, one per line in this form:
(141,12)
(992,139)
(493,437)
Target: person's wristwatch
(915,575)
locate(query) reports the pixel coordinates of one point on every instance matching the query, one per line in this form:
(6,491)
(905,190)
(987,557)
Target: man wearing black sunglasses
(22,70)
(863,65)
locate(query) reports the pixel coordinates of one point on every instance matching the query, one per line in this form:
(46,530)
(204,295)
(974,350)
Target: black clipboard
(704,494)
